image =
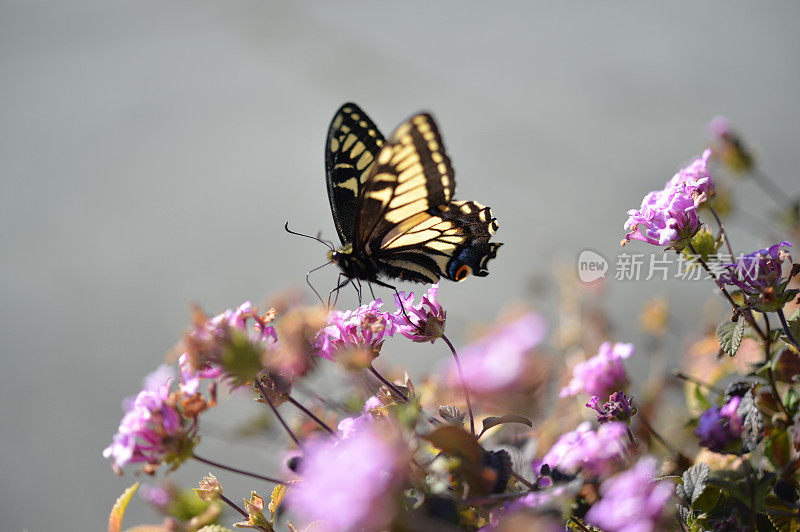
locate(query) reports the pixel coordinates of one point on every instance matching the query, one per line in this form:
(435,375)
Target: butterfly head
(351,264)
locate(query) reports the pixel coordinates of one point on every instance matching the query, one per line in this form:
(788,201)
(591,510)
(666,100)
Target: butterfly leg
(402,307)
(357,286)
(371,291)
(339,286)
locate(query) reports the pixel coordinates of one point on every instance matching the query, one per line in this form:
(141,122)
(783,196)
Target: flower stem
(265,395)
(771,189)
(463,383)
(656,435)
(578,524)
(684,377)
(236,470)
(233,505)
(310,414)
(392,388)
(786,329)
(722,233)
(522,480)
(746,313)
(770,373)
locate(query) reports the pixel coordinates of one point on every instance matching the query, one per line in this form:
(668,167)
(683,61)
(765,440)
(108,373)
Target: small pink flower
(424,322)
(365,327)
(601,375)
(584,449)
(499,361)
(351,484)
(668,217)
(632,501)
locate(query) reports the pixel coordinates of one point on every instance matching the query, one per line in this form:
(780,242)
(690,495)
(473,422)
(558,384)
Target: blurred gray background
(150,153)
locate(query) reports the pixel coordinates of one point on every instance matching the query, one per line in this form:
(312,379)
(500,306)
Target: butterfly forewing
(412,174)
(354,142)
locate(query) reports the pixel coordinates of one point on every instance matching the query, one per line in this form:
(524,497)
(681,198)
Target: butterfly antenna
(327,243)
(308,280)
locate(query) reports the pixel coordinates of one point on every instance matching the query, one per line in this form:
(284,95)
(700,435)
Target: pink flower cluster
(208,339)
(601,375)
(632,501)
(368,326)
(669,216)
(595,452)
(350,484)
(365,327)
(151,429)
(499,361)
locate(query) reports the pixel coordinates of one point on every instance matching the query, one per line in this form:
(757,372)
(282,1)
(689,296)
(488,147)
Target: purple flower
(694,180)
(425,322)
(151,431)
(158,496)
(350,425)
(617,408)
(631,501)
(499,361)
(760,276)
(366,327)
(205,344)
(350,484)
(602,374)
(668,217)
(717,427)
(595,452)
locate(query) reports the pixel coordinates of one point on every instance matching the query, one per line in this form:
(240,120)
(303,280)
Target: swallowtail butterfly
(392,203)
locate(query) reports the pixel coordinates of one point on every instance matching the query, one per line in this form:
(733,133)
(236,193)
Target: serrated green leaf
(729,335)
(118,511)
(695,480)
(752,422)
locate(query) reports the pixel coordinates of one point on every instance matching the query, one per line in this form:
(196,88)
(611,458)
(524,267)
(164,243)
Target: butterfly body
(392,204)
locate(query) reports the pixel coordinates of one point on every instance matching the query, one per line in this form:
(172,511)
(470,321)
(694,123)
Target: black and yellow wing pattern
(406,220)
(393,207)
(353,144)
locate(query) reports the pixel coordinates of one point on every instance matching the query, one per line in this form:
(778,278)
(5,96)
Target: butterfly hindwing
(451,241)
(354,142)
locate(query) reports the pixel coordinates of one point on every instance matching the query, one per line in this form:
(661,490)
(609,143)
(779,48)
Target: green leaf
(778,449)
(493,421)
(695,480)
(703,401)
(729,335)
(455,441)
(118,511)
(707,500)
